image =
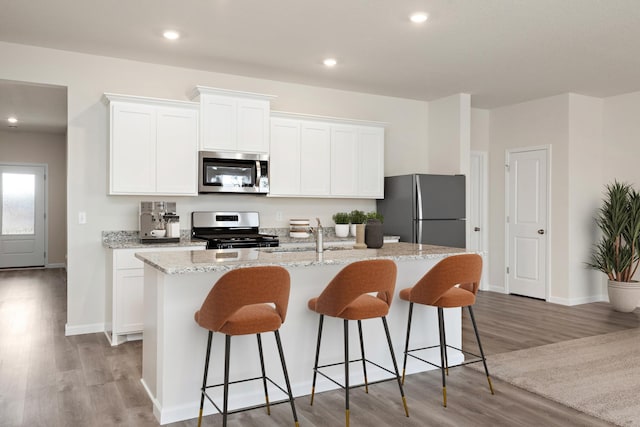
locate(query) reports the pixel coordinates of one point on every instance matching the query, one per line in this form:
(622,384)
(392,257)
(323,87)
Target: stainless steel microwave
(221,172)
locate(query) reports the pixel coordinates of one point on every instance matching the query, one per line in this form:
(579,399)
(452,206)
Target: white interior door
(478,236)
(22,216)
(527,222)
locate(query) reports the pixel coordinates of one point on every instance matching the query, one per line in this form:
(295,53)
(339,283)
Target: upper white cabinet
(153,146)
(233,120)
(314,156)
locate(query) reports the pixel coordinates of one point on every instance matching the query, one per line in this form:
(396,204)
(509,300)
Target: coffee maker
(157,222)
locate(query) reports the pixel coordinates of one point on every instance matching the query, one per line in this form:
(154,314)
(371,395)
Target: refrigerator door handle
(419,190)
(419,241)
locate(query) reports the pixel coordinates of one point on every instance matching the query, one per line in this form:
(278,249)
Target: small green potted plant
(617,254)
(356,217)
(342,223)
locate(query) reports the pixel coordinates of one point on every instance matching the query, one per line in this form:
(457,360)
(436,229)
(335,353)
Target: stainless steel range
(226,230)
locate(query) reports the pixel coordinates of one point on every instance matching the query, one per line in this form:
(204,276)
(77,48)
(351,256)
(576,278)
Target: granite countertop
(131,240)
(185,262)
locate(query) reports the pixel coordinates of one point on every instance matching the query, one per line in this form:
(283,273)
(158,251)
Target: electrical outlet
(82,217)
(278,216)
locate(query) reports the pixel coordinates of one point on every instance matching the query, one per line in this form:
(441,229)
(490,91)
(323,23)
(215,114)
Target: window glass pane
(18,203)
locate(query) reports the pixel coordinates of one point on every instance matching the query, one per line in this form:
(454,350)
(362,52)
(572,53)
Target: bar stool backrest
(464,270)
(242,287)
(356,279)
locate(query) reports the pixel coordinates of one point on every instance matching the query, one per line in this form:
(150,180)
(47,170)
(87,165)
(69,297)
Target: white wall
(449,135)
(585,191)
(49,149)
(87,77)
(480,135)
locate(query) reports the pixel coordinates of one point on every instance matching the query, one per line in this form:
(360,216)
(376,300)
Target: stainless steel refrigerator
(428,209)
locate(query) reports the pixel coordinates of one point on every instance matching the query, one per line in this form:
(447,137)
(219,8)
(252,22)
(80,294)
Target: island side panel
(181,343)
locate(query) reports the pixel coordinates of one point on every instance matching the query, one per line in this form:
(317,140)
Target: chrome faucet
(318,232)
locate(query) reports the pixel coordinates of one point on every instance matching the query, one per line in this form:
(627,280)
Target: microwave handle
(256,184)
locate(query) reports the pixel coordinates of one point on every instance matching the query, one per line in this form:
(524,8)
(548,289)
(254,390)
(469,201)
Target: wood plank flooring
(47,379)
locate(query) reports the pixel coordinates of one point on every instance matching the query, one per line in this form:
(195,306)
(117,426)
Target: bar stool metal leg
(204,379)
(227,352)
(395,365)
(315,365)
(442,356)
(406,345)
(364,362)
(286,376)
(444,341)
(484,361)
(346,369)
(264,375)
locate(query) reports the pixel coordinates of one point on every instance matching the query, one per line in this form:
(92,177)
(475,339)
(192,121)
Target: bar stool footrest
(466,362)
(248,408)
(356,385)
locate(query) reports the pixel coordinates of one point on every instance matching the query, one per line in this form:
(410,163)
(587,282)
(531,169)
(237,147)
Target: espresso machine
(159,222)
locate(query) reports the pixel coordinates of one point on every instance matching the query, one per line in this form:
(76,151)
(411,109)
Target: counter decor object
(341,220)
(373,236)
(360,237)
(299,228)
(356,217)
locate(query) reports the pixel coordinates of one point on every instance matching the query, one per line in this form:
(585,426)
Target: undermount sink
(280,250)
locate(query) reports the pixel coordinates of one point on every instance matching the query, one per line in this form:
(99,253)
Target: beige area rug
(597,375)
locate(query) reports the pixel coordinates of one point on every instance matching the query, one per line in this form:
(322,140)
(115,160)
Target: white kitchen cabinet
(313,156)
(233,121)
(125,292)
(153,146)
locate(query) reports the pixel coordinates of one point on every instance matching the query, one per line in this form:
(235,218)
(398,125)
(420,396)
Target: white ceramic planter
(352,229)
(624,296)
(342,230)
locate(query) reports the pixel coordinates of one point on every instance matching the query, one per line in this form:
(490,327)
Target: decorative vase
(373,234)
(360,237)
(624,296)
(342,230)
(352,229)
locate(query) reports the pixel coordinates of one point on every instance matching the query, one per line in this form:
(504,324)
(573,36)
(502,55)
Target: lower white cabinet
(325,157)
(124,297)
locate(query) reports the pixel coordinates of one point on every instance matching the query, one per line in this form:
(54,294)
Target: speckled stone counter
(229,259)
(131,240)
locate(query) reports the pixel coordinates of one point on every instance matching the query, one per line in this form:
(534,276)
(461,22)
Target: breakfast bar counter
(176,284)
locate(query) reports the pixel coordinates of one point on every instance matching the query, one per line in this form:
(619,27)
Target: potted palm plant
(617,253)
(342,223)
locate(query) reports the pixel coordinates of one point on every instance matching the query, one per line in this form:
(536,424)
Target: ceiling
(38,108)
(500,51)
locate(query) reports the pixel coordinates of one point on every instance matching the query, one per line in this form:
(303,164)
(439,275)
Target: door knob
(476,228)
(541,231)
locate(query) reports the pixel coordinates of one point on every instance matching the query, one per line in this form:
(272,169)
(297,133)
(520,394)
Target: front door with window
(22,216)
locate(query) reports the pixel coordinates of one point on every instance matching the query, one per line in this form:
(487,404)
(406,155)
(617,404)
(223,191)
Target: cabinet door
(344,161)
(133,149)
(371,162)
(129,301)
(253,126)
(219,123)
(177,151)
(284,168)
(315,159)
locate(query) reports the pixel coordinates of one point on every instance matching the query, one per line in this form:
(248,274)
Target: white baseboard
(578,301)
(83,329)
(56,265)
(498,289)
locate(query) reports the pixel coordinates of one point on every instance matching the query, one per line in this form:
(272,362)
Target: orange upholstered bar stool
(347,297)
(453,282)
(245,301)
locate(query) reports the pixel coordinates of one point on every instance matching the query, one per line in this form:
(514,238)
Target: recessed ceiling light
(330,62)
(171,35)
(419,17)
(12,120)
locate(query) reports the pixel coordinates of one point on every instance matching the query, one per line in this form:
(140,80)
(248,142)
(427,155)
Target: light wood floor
(47,379)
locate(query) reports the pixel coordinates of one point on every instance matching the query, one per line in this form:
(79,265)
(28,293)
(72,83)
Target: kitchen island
(176,284)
